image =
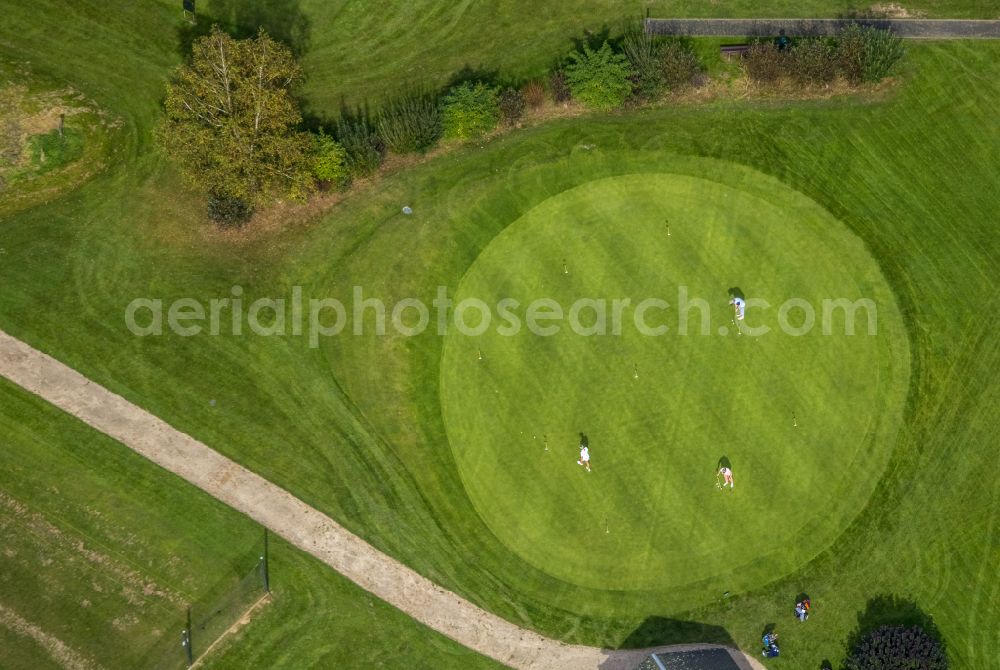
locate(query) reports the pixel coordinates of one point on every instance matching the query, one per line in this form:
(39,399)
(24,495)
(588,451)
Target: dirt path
(304,526)
(954,29)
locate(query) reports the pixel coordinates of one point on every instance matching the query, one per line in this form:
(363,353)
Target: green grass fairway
(896,193)
(649,515)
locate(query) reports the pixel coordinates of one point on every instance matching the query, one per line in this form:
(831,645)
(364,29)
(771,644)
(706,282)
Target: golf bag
(802,609)
(771,649)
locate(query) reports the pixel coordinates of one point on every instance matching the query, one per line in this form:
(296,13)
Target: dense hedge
(898,648)
(512,106)
(659,65)
(330,164)
(470,110)
(601,79)
(365,149)
(410,124)
(638,68)
(859,55)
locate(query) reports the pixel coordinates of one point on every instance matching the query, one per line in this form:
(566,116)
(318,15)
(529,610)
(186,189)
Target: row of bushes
(859,55)
(634,69)
(641,68)
(414,124)
(601,78)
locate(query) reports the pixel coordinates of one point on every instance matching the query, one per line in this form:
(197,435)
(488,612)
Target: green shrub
(410,124)
(679,64)
(882,51)
(470,110)
(560,89)
(813,61)
(851,54)
(533,93)
(764,63)
(867,54)
(228,211)
(511,106)
(898,648)
(600,79)
(330,162)
(644,52)
(365,149)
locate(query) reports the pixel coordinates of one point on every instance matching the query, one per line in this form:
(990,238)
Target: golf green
(806,418)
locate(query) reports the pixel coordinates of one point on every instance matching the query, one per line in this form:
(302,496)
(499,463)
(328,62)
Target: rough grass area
(103,552)
(38,162)
(53,150)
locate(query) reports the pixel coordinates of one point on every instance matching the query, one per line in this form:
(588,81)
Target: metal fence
(204,622)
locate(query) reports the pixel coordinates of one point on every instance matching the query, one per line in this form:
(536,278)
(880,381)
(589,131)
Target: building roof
(701,659)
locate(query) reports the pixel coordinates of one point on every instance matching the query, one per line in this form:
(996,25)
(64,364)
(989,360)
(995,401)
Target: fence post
(263,566)
(186,639)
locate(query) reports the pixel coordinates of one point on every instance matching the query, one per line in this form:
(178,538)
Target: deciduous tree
(232,122)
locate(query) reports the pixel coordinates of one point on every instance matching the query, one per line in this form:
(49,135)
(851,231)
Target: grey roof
(702,659)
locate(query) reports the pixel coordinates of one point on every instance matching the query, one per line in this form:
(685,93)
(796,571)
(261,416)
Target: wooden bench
(730,50)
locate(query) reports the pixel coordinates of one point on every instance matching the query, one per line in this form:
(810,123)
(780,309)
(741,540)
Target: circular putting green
(805,417)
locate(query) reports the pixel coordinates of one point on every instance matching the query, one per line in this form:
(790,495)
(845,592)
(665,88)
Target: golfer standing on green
(739,307)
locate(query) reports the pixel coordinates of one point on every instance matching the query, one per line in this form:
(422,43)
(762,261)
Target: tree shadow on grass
(594,39)
(890,610)
(283,20)
(470,74)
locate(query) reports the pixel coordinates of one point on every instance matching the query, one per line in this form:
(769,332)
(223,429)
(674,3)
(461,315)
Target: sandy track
(304,526)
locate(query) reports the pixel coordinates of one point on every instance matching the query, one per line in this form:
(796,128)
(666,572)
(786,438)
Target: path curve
(307,528)
(956,29)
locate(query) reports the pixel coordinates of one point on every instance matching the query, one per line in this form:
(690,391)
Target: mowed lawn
(661,412)
(103,552)
(359,56)
(356,427)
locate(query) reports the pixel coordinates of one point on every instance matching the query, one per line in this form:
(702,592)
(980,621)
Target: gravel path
(953,29)
(306,527)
